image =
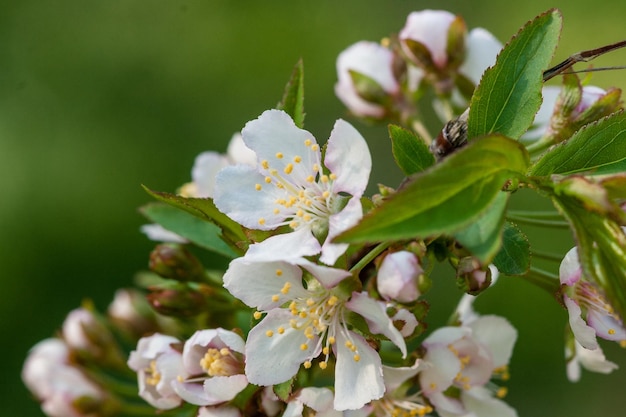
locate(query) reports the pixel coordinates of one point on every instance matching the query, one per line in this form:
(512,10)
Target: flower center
(221,362)
(306,196)
(402,408)
(153,376)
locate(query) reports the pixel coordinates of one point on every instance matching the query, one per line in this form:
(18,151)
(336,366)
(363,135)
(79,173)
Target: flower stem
(539,222)
(369,257)
(543,279)
(549,256)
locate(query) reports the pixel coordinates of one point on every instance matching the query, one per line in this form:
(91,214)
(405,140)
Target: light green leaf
(513,258)
(409,150)
(509,94)
(200,232)
(448,196)
(598,148)
(293,97)
(483,237)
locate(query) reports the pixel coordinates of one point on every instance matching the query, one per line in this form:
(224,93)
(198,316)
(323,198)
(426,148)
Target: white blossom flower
(398,399)
(397,277)
(590,314)
(291,187)
(71,390)
(374,61)
(302,323)
(465,358)
(214,364)
(157,364)
(41,363)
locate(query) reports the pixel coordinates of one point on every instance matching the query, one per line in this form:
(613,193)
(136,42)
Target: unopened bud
(87,334)
(471,277)
(173,261)
(178,301)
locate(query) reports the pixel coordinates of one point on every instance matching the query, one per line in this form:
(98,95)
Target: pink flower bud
(371,60)
(398,275)
(429,28)
(85,333)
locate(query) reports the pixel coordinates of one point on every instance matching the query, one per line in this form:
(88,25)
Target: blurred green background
(99,97)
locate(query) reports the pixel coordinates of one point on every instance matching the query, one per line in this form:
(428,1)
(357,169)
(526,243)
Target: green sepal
(421,55)
(284,389)
(446,197)
(483,237)
(200,232)
(293,97)
(509,93)
(455,45)
(598,148)
(409,151)
(369,89)
(513,258)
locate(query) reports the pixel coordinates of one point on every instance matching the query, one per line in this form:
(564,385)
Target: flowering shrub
(321,308)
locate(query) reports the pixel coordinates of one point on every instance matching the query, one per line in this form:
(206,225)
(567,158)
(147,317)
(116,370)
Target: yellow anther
(275,298)
(261,221)
(310,302)
(273,171)
(611,331)
(279,155)
(180,378)
(502,391)
(316,167)
(326,194)
(323,364)
(332,300)
(315,147)
(326,350)
(356,358)
(307,142)
(622,343)
(304,346)
(294,224)
(276,211)
(293,323)
(265,164)
(269,333)
(324,178)
(303,314)
(433,385)
(307,364)
(332,176)
(331,340)
(281,330)
(268,179)
(297,159)
(257,315)
(306,217)
(300,213)
(349,344)
(285,289)
(310,178)
(257,187)
(279,272)
(288,168)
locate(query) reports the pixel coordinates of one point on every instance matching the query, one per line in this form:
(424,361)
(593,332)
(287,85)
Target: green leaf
(409,150)
(200,232)
(483,237)
(448,196)
(293,97)
(513,258)
(509,94)
(601,248)
(205,209)
(598,148)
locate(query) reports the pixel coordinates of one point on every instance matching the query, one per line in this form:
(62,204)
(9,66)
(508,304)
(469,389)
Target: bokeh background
(98,97)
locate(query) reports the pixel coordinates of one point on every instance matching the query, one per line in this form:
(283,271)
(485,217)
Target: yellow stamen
(269,333)
(279,155)
(258,187)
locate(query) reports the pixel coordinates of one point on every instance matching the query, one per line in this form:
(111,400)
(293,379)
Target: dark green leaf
(410,152)
(601,249)
(483,237)
(204,209)
(446,197)
(200,232)
(509,94)
(514,255)
(598,148)
(293,97)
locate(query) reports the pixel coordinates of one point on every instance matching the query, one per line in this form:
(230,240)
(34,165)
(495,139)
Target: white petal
(236,195)
(543,116)
(481,51)
(594,360)
(275,359)
(445,336)
(357,106)
(255,283)
(570,269)
(205,169)
(158,233)
(276,139)
(397,277)
(357,382)
(239,153)
(370,59)
(219,389)
(375,313)
(606,326)
(328,277)
(337,223)
(443,367)
(319,399)
(479,401)
(223,411)
(285,247)
(348,157)
(498,335)
(584,334)
(447,406)
(395,376)
(408,319)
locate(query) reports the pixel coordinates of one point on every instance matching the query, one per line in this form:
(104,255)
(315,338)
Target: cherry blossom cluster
(299,324)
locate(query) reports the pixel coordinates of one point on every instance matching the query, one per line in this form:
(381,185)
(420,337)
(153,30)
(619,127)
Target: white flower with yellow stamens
(291,187)
(304,321)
